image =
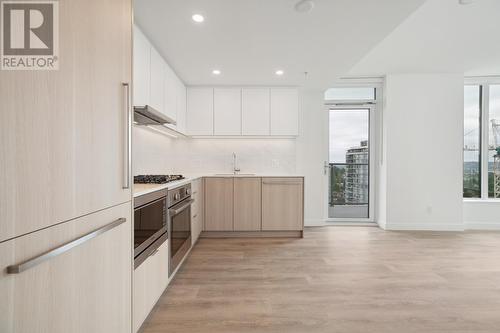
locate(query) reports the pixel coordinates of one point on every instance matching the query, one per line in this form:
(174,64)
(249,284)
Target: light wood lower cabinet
(218,204)
(85,289)
(196,209)
(282,204)
(150,280)
(247,204)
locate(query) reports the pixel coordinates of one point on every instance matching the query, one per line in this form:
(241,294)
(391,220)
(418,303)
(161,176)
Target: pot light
(216,72)
(304,6)
(198,18)
(279,72)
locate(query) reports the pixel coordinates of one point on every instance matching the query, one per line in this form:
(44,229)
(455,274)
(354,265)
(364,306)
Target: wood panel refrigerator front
(86,289)
(62,132)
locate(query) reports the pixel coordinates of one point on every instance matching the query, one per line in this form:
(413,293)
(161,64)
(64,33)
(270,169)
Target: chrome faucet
(235,167)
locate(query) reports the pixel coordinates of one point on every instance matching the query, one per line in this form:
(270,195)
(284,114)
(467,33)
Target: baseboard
(482,226)
(314,223)
(424,226)
(251,234)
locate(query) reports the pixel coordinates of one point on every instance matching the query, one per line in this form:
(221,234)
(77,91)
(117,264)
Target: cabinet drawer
(80,289)
(150,280)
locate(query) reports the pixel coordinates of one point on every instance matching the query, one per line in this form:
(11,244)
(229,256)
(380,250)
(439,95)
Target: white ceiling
(248,40)
(440,36)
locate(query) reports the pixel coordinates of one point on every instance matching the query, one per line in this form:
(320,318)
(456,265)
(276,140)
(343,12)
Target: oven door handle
(175,211)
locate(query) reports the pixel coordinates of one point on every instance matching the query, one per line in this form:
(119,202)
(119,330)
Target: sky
(347,129)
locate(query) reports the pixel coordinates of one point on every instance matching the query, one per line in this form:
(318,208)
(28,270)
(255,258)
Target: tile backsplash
(156,153)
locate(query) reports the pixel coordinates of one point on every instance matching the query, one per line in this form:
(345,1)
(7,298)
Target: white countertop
(141,189)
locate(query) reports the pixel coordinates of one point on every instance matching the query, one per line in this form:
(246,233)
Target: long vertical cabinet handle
(127,147)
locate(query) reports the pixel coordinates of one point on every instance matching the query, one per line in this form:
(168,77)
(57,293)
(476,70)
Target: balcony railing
(349,184)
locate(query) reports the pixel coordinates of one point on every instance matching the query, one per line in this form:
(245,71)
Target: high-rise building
(356,179)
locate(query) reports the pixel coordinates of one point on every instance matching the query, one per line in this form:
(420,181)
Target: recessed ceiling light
(304,6)
(465,2)
(216,72)
(279,72)
(198,18)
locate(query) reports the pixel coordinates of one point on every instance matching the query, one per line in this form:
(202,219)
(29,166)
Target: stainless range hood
(146,115)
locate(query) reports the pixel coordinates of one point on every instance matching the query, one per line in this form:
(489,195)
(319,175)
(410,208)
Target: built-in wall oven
(179,221)
(150,224)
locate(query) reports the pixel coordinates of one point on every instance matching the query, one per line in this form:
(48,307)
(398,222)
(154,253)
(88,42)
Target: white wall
(423,125)
(311,154)
(481,214)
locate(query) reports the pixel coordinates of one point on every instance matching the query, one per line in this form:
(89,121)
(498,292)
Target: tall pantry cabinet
(65,175)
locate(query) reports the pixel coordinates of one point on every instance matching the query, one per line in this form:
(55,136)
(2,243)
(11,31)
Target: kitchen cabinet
(218,204)
(181,107)
(157,85)
(227,111)
(282,203)
(142,70)
(196,209)
(200,111)
(255,111)
(243,112)
(150,281)
(171,93)
(284,111)
(84,289)
(63,146)
(247,204)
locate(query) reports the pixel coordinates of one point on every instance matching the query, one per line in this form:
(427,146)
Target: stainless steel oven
(179,217)
(150,224)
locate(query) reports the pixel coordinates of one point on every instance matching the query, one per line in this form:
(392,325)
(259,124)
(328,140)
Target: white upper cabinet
(181,107)
(156,84)
(227,111)
(255,111)
(200,111)
(157,90)
(142,64)
(170,93)
(284,111)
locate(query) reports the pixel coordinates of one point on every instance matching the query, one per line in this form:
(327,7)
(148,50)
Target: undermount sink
(235,174)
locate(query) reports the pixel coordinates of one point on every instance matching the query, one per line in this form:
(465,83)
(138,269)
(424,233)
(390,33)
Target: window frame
(484,83)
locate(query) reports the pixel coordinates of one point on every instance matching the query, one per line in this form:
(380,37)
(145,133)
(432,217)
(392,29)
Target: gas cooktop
(156,179)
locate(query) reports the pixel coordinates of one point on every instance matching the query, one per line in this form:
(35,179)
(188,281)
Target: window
(482,140)
(472,141)
(494,142)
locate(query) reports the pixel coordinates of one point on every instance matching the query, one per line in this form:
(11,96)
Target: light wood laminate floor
(337,279)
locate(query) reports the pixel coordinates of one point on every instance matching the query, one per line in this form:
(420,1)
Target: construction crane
(495,125)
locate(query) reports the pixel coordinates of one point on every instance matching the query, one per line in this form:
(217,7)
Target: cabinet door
(150,280)
(142,67)
(84,289)
(200,111)
(255,111)
(63,133)
(282,204)
(284,111)
(157,85)
(218,204)
(227,111)
(170,93)
(181,106)
(247,204)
